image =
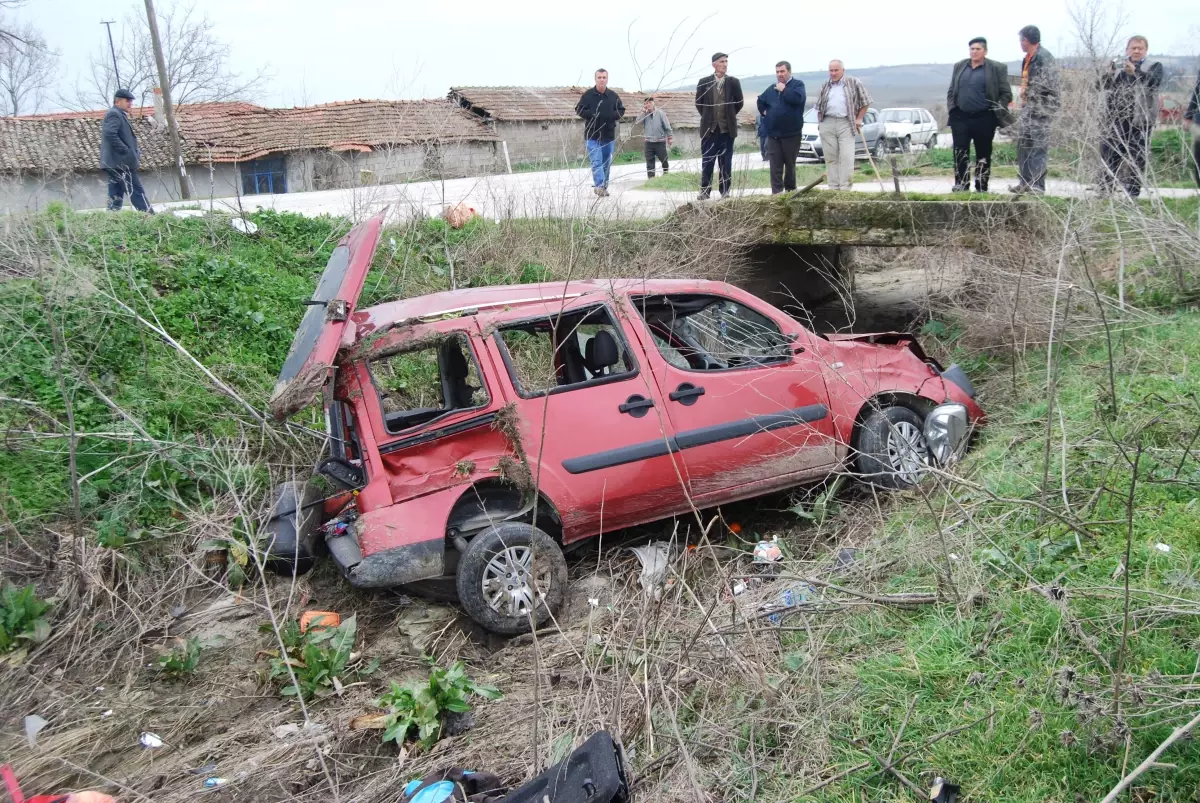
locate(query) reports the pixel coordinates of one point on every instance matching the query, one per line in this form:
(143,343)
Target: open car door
(313,351)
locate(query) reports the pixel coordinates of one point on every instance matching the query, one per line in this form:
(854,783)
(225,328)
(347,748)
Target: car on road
(475,434)
(908,126)
(872,133)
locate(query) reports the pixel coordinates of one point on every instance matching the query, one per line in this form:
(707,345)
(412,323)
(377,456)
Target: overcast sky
(325,50)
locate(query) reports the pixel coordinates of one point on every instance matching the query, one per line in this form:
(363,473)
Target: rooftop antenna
(108,24)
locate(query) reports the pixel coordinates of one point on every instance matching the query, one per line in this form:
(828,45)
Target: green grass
(1072,748)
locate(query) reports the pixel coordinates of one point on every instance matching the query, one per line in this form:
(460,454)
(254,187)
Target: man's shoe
(1020,189)
(959,188)
(703,196)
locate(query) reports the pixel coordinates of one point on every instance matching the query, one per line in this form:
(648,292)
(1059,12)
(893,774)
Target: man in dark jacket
(782,108)
(1192,116)
(1131,94)
(119,155)
(978,101)
(718,99)
(1039,103)
(601,110)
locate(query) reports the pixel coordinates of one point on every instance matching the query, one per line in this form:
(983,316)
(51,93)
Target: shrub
(319,659)
(422,705)
(22,617)
(182,661)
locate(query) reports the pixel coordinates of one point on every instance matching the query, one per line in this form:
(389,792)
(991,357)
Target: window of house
(710,333)
(566,351)
(264,176)
(421,385)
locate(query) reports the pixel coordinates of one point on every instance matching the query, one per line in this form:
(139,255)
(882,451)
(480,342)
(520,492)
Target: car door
(589,417)
(745,397)
(872,129)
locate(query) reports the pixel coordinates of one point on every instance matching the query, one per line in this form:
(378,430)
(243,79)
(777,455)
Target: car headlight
(945,432)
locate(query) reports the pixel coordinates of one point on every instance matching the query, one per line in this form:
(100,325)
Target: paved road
(558,193)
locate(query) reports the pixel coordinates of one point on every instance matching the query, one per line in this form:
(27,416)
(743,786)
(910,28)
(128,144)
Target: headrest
(456,362)
(602,351)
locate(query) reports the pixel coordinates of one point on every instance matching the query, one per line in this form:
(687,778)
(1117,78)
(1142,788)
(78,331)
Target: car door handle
(686,394)
(637,406)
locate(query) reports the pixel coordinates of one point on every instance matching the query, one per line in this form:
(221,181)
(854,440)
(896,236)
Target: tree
(197,62)
(26,68)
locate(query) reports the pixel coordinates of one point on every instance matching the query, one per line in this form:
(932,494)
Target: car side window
(916,117)
(419,385)
(870,118)
(711,333)
(565,352)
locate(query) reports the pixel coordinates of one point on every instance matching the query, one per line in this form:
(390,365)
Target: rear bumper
(398,565)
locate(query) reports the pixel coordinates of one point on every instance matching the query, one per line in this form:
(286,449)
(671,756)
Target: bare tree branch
(26,68)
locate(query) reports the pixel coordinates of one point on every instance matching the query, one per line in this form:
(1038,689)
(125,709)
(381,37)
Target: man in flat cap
(119,155)
(718,99)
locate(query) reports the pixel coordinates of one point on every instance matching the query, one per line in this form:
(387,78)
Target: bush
(319,659)
(422,705)
(22,617)
(182,661)
(1171,156)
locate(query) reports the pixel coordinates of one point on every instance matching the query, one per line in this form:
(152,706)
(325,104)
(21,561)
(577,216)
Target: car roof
(517,296)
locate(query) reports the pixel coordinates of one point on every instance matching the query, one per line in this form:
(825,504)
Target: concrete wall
(322,170)
(553,141)
(89,190)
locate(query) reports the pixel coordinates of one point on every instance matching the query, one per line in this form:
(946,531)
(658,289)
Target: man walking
(657,134)
(718,99)
(601,110)
(978,101)
(119,155)
(782,110)
(1131,86)
(1192,116)
(841,106)
(1039,103)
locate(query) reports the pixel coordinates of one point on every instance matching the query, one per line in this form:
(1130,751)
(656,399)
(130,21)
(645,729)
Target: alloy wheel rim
(906,451)
(513,582)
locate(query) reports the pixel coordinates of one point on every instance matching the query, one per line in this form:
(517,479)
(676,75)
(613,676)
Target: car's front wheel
(512,577)
(906,144)
(881,149)
(890,449)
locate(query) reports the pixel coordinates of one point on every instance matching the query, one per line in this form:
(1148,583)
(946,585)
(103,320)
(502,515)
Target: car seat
(455,370)
(602,353)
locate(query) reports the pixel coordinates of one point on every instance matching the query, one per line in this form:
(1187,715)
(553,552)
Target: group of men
(978,101)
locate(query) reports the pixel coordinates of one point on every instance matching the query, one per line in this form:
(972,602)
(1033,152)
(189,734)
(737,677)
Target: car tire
(508,552)
(881,149)
(889,449)
(932,142)
(906,145)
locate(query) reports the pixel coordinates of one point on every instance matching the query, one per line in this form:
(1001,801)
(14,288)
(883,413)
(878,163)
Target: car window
(418,385)
(894,116)
(916,117)
(810,116)
(711,333)
(869,118)
(567,351)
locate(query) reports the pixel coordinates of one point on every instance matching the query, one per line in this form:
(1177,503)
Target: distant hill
(918,84)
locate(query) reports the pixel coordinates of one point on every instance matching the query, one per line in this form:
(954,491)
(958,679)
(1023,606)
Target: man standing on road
(718,99)
(1131,86)
(978,101)
(782,109)
(658,135)
(1039,103)
(119,155)
(601,110)
(1192,117)
(841,106)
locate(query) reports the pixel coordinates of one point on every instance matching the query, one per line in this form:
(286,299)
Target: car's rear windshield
(897,115)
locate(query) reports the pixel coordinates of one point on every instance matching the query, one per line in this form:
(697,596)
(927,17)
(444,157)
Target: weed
(22,617)
(423,705)
(318,658)
(181,662)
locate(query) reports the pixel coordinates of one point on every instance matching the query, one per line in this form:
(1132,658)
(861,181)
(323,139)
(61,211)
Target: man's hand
(670,141)
(1129,67)
(779,87)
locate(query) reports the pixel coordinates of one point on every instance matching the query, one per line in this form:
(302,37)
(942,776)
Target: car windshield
(897,115)
(810,116)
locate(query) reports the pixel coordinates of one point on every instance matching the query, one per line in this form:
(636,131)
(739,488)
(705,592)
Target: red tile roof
(239,132)
(534,103)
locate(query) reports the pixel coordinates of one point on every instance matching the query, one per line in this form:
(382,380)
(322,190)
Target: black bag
(594,773)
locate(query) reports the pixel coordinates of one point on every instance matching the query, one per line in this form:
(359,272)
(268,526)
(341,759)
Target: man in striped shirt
(841,106)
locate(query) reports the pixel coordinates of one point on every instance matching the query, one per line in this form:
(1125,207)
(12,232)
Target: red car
(474,434)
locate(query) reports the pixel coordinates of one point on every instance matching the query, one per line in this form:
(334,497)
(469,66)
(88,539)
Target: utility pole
(117,72)
(168,106)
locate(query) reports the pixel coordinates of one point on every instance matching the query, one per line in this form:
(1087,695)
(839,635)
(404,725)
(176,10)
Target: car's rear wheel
(906,144)
(932,142)
(890,450)
(512,576)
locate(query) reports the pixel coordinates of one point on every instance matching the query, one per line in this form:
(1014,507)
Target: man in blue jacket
(782,108)
(119,155)
(601,110)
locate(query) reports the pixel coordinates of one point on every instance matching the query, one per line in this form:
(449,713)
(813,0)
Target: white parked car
(904,128)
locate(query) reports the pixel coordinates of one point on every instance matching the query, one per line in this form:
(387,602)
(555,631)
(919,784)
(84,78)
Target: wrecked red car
(475,434)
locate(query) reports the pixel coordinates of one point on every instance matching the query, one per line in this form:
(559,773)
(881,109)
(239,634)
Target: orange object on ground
(319,619)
